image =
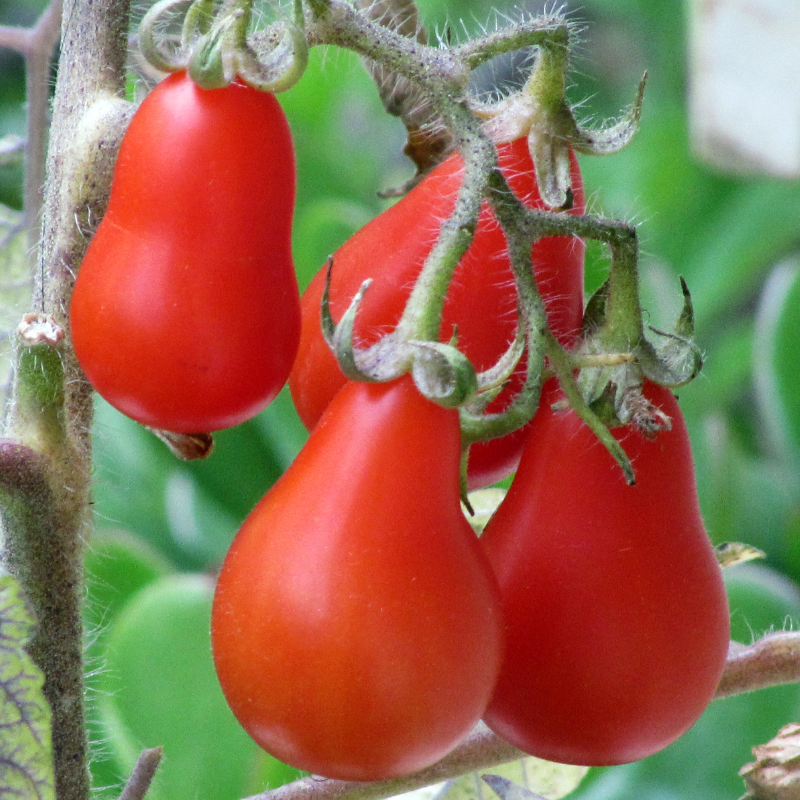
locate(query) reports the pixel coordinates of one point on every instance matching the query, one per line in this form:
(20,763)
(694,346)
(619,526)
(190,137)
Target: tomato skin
(481,302)
(356,626)
(185,313)
(618,623)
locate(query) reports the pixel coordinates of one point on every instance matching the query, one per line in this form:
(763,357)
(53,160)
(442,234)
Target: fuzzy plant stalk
(45,453)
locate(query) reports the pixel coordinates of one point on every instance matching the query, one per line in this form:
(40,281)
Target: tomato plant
(616,610)
(481,302)
(356,625)
(185,314)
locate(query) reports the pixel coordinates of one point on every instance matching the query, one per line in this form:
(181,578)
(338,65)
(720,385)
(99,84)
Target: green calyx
(540,112)
(616,358)
(440,371)
(216,50)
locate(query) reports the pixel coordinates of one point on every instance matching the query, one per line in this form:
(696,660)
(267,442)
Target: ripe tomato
(392,248)
(617,616)
(356,626)
(185,314)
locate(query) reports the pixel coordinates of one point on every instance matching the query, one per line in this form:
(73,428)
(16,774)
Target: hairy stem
(480,750)
(772,660)
(43,40)
(37,45)
(47,452)
(142,776)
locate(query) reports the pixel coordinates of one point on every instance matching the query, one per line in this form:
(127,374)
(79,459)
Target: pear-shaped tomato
(356,625)
(617,616)
(185,314)
(481,302)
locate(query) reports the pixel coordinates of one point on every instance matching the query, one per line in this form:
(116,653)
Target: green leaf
(247,460)
(160,689)
(118,564)
(130,481)
(189,511)
(26,768)
(750,233)
(744,498)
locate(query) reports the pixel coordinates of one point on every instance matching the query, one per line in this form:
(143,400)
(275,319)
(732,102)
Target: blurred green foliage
(162,526)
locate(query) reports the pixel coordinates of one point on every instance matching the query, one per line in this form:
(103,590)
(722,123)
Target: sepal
(440,371)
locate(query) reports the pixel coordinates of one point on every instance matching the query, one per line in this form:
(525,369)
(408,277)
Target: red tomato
(356,626)
(481,302)
(617,616)
(185,314)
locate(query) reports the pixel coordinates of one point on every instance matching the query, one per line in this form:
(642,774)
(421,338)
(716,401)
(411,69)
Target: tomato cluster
(359,628)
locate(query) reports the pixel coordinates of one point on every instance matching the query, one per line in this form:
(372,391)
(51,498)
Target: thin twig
(142,776)
(18,39)
(482,749)
(771,661)
(44,37)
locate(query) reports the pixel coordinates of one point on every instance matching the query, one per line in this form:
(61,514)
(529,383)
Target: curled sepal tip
(611,139)
(212,64)
(386,360)
(165,60)
(679,360)
(563,367)
(281,67)
(492,381)
(340,337)
(442,373)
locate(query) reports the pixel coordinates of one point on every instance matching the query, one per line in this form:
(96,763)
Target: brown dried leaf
(186,446)
(428,142)
(775,774)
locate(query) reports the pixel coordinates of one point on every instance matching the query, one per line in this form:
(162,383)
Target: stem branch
(772,660)
(46,456)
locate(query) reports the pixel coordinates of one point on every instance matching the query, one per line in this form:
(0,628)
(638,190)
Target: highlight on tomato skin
(618,622)
(481,301)
(356,626)
(185,314)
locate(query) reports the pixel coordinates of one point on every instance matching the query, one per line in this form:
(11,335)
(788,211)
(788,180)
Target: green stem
(422,315)
(539,30)
(562,366)
(46,457)
(623,329)
(510,214)
(548,80)
(438,72)
(242,10)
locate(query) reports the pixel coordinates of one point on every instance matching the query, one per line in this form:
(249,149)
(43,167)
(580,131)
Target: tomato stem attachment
(215,47)
(440,371)
(562,366)
(540,112)
(174,59)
